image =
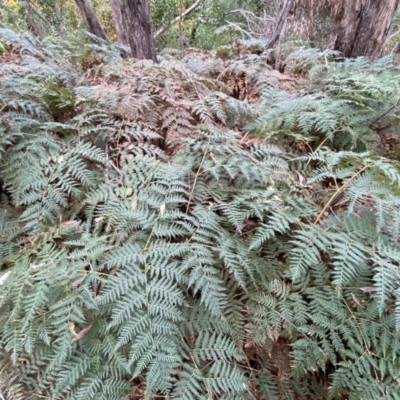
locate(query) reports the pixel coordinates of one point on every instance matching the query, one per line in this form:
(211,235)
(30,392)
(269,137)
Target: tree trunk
(281,23)
(363,26)
(90,18)
(35,27)
(119,27)
(310,19)
(137,22)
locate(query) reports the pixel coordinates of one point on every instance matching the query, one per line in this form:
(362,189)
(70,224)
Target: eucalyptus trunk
(287,7)
(362,26)
(119,26)
(90,18)
(137,22)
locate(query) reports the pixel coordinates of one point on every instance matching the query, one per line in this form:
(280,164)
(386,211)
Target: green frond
(197,229)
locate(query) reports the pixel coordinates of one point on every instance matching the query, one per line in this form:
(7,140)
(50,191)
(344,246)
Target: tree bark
(137,21)
(310,19)
(281,23)
(362,26)
(35,27)
(119,26)
(90,18)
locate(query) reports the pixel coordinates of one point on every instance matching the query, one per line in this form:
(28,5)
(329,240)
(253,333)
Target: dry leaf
(4,277)
(72,329)
(36,266)
(162,209)
(368,289)
(357,301)
(66,223)
(82,333)
(134,203)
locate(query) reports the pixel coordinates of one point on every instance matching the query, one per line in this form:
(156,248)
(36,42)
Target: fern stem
(197,176)
(367,350)
(148,240)
(323,142)
(338,191)
(318,148)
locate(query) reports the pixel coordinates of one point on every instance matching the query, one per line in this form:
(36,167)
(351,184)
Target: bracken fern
(150,248)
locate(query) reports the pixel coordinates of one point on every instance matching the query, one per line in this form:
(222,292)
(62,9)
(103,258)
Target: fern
(150,248)
(357,95)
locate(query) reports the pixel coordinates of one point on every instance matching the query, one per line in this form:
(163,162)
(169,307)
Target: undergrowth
(203,228)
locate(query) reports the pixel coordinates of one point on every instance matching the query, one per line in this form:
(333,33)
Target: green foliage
(214,23)
(150,248)
(340,105)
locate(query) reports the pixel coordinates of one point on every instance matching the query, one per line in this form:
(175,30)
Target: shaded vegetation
(203,228)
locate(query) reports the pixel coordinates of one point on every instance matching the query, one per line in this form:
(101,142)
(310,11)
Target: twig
(383,114)
(278,52)
(196,178)
(177,19)
(180,28)
(109,162)
(38,14)
(121,176)
(251,19)
(338,191)
(106,178)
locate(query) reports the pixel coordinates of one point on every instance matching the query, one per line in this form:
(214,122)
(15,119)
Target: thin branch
(180,29)
(383,114)
(38,14)
(338,191)
(196,178)
(278,51)
(178,18)
(82,333)
(392,36)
